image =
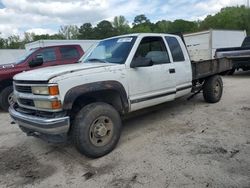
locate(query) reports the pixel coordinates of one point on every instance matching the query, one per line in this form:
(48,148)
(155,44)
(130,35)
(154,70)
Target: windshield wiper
(100,60)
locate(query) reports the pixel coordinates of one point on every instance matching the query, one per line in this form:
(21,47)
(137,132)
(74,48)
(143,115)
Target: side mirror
(37,61)
(141,62)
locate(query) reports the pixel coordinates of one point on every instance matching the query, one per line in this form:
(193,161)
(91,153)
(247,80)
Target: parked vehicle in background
(85,44)
(202,45)
(84,102)
(35,58)
(240,56)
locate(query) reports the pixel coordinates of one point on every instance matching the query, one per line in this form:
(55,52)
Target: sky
(46,16)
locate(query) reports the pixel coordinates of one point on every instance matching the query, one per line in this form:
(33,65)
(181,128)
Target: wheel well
(111,97)
(5,83)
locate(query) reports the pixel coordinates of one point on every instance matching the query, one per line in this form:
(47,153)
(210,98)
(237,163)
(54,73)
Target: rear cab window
(69,52)
(175,49)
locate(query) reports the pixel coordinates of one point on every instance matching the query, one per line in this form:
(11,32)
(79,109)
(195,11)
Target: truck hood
(7,66)
(45,74)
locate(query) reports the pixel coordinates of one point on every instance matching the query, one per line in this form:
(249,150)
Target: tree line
(228,18)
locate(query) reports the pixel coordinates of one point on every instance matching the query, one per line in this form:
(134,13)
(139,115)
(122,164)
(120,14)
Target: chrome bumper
(54,126)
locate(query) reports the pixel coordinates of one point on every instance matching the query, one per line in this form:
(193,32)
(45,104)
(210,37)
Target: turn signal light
(56,105)
(53,90)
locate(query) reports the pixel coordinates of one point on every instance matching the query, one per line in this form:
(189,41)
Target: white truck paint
(202,45)
(121,74)
(85,44)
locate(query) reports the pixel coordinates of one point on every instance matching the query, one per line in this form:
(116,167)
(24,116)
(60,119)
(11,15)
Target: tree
(3,42)
(121,25)
(183,26)
(104,29)
(14,42)
(228,18)
(140,19)
(86,31)
(142,24)
(162,26)
(28,37)
(69,31)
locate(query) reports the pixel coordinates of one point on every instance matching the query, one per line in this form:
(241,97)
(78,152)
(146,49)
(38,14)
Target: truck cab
(51,56)
(84,102)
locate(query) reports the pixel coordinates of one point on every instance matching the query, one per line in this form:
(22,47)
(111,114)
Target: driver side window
(154,49)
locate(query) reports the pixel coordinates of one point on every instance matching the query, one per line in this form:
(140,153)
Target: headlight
(45,90)
(48,104)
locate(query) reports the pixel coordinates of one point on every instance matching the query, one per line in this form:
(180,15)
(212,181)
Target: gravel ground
(178,144)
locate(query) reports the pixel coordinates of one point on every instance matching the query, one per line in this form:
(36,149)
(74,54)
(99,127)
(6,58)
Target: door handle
(171,71)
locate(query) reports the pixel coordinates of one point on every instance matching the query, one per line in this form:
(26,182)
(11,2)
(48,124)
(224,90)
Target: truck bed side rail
(206,68)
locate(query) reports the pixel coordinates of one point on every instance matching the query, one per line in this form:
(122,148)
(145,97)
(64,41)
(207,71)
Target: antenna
(248,3)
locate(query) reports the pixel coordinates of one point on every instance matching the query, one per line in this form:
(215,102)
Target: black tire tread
(4,104)
(208,89)
(82,144)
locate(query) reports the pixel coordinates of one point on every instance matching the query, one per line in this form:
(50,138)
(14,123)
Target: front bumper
(36,126)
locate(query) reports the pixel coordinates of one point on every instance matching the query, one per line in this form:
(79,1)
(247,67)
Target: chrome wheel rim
(101,131)
(217,89)
(11,99)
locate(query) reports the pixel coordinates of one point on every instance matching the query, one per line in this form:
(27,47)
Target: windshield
(113,50)
(25,56)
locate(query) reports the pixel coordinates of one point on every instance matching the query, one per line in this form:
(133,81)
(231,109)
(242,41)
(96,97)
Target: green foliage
(14,42)
(228,18)
(86,31)
(104,29)
(141,19)
(142,24)
(120,25)
(183,26)
(162,26)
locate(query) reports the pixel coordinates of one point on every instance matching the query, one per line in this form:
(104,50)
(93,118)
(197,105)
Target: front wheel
(6,98)
(213,89)
(96,129)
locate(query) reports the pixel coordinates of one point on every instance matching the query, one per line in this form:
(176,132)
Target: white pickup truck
(84,102)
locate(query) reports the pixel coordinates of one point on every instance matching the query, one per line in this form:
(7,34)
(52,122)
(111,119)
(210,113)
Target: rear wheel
(96,129)
(213,89)
(6,98)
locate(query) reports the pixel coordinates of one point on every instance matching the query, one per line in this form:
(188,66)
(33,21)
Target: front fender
(77,91)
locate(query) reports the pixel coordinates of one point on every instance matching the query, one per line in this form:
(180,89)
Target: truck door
(154,84)
(49,54)
(181,62)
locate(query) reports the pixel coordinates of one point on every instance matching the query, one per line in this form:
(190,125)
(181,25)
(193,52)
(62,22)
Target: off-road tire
(210,94)
(82,127)
(4,95)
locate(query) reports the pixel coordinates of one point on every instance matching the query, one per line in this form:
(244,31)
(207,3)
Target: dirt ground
(178,144)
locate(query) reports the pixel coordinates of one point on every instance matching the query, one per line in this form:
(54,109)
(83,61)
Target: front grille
(26,102)
(23,89)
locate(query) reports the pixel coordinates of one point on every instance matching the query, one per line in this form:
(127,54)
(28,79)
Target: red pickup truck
(33,59)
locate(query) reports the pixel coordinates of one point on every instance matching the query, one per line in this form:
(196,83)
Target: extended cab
(85,101)
(52,55)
